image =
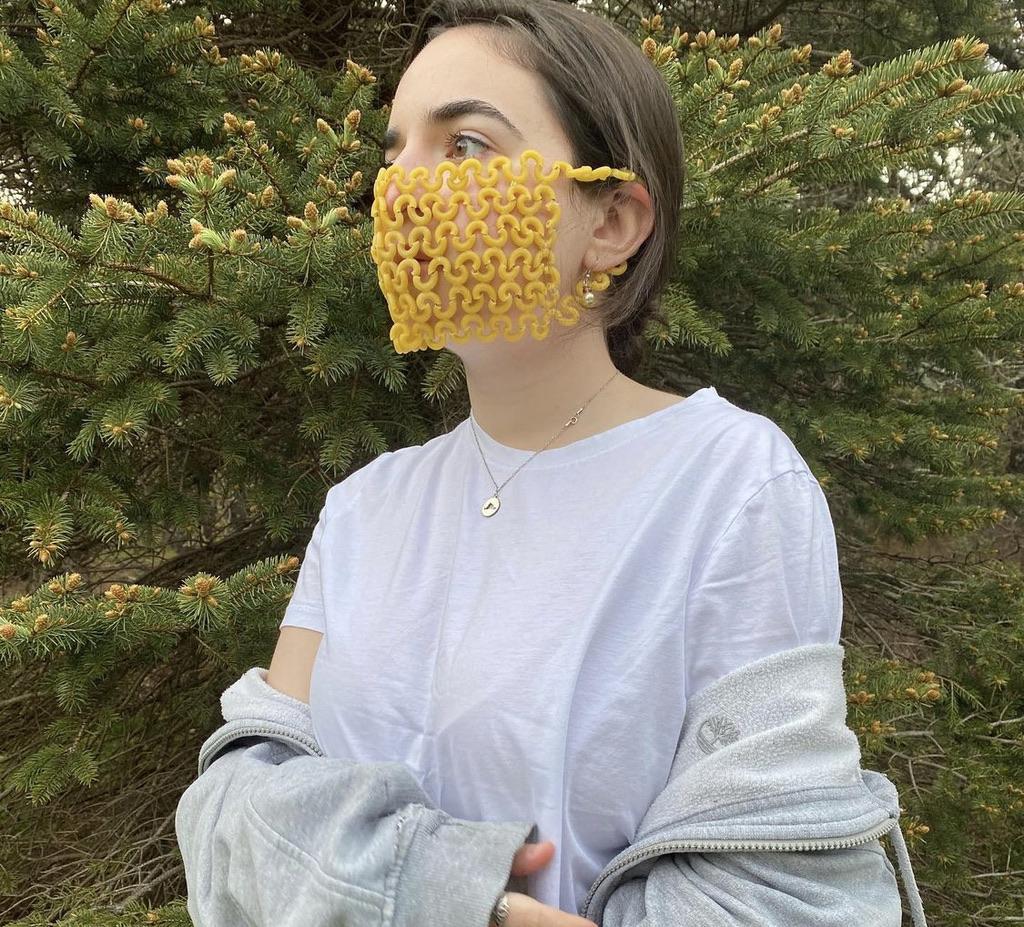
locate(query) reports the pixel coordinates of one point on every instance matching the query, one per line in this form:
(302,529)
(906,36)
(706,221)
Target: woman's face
(459,74)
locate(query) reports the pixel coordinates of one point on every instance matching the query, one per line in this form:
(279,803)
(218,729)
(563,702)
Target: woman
(520,609)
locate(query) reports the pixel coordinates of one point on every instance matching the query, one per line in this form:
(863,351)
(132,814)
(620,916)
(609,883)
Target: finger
(533,856)
(525,911)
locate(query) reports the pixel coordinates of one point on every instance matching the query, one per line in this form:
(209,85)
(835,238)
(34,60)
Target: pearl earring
(588,297)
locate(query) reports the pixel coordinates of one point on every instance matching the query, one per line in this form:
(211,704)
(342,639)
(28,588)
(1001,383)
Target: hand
(524,911)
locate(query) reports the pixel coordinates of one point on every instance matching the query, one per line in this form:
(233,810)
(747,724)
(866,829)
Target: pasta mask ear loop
(499,294)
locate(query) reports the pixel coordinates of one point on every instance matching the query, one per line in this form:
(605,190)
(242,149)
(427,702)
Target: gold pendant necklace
(492,504)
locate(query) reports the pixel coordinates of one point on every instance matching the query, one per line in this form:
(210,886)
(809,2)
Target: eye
(455,136)
(450,140)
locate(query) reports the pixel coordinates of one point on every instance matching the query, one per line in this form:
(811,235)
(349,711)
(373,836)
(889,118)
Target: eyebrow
(453,109)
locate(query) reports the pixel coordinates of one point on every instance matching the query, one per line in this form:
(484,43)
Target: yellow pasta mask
(509,292)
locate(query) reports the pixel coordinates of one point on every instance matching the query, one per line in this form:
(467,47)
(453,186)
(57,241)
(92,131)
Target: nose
(401,165)
(408,218)
(392,191)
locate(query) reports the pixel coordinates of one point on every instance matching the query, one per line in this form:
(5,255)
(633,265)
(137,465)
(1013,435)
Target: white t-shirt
(536,665)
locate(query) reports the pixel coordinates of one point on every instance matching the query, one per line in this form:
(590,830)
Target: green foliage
(189,361)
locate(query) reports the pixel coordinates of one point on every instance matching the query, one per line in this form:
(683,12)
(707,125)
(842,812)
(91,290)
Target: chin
(474,348)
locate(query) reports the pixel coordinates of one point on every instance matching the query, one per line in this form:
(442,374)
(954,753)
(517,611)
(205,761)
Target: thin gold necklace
(492,504)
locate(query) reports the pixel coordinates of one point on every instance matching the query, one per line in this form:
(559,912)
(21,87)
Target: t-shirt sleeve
(305,609)
(770,582)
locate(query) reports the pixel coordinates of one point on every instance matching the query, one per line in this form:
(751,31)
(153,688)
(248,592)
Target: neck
(522,393)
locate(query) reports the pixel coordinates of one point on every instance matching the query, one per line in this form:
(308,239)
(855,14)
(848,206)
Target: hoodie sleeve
(272,836)
(769,582)
(768,817)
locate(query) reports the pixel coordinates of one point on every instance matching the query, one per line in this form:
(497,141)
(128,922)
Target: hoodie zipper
(682,846)
(306,743)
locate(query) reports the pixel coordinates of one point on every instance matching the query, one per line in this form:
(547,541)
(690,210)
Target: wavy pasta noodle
(493,291)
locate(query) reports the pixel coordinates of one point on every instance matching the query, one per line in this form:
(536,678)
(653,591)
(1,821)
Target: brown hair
(616,111)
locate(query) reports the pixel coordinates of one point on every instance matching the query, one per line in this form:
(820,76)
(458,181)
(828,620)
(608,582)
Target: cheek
(519,210)
(507,210)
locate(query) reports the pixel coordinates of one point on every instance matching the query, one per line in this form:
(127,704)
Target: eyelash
(450,140)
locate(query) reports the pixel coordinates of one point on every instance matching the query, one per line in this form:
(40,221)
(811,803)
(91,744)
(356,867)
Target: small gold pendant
(490,506)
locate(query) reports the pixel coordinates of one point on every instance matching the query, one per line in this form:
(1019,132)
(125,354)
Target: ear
(624,224)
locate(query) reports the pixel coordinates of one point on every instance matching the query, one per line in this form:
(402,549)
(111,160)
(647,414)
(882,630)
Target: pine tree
(192,352)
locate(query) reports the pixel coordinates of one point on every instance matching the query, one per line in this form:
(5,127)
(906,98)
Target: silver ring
(500,910)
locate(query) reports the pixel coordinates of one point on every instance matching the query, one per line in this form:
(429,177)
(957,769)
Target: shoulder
(387,472)
(743,463)
(749,447)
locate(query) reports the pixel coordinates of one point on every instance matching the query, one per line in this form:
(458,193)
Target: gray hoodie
(766,819)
